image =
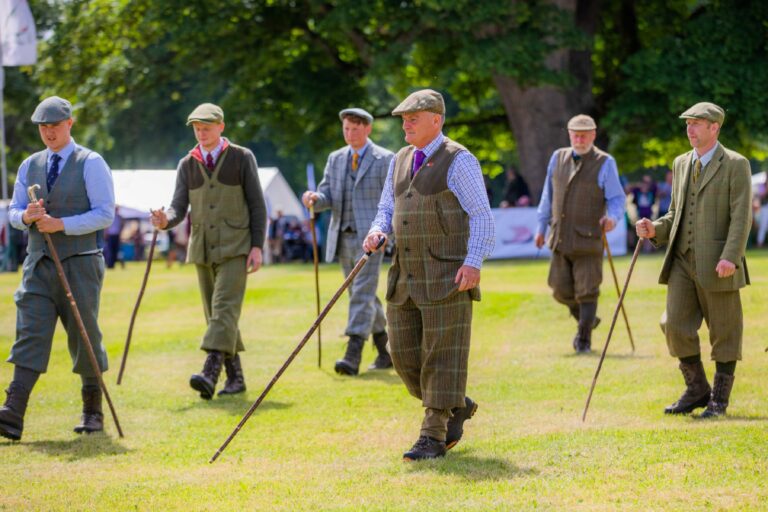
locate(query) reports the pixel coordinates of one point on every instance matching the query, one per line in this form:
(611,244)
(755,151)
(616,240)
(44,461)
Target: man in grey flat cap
(76,203)
(219,182)
(435,203)
(582,198)
(706,231)
(351,187)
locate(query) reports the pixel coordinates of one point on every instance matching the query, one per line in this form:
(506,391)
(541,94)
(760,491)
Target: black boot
(425,448)
(582,343)
(696,392)
(12,413)
(456,422)
(205,381)
(92,419)
(576,314)
(235,381)
(721,392)
(383,360)
(350,364)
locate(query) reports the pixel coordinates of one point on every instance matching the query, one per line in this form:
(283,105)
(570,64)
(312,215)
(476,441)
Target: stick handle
(618,292)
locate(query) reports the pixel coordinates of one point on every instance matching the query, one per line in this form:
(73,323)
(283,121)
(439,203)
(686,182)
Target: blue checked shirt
(465,180)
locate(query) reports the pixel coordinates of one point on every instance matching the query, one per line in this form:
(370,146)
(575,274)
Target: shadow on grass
(595,354)
(235,405)
(467,465)
(385,376)
(81,447)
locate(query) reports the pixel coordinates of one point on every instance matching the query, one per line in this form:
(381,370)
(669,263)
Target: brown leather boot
(721,392)
(92,419)
(235,381)
(350,363)
(205,381)
(696,392)
(12,413)
(383,360)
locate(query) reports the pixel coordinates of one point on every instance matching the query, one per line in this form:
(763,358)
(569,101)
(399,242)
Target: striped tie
(696,170)
(355,163)
(53,172)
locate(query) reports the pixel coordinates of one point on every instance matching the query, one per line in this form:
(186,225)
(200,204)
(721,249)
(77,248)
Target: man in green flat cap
(435,203)
(76,202)
(219,182)
(706,231)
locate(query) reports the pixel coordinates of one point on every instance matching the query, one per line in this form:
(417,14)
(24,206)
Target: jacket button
(407,249)
(212,207)
(210,186)
(405,223)
(212,226)
(410,276)
(562,216)
(408,195)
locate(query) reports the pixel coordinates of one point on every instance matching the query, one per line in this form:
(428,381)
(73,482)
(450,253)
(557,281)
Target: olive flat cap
(206,113)
(705,110)
(358,112)
(425,100)
(582,123)
(52,110)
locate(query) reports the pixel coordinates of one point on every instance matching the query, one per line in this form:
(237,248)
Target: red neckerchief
(197,153)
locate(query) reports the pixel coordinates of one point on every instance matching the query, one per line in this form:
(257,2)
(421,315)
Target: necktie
(355,163)
(418,159)
(53,172)
(209,161)
(696,170)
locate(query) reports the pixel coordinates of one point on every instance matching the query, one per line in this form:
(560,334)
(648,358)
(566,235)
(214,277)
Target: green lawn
(322,442)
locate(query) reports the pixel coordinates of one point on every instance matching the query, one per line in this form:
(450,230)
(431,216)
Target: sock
(728,368)
(691,359)
(25,377)
(90,381)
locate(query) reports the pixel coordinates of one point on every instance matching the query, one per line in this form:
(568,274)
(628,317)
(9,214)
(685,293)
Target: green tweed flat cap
(52,110)
(705,110)
(425,100)
(582,123)
(358,112)
(206,113)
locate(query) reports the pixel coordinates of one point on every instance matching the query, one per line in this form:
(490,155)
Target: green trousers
(222,287)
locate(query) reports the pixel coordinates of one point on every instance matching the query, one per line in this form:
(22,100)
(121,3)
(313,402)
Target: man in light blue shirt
(76,202)
(582,199)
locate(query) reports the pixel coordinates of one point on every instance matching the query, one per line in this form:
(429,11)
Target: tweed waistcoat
(219,212)
(686,235)
(431,229)
(68,197)
(578,202)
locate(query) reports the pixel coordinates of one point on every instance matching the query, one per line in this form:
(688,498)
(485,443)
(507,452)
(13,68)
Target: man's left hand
(254,260)
(48,224)
(467,277)
(725,268)
(607,223)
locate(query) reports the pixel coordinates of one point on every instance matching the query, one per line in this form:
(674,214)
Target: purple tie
(209,161)
(418,159)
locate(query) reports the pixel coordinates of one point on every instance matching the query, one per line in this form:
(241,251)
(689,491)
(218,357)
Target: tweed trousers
(575,279)
(429,344)
(688,304)
(366,314)
(222,287)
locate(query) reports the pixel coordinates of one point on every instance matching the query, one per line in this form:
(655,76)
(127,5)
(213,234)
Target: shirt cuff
(473,261)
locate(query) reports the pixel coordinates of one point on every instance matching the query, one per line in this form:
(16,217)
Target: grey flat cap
(425,100)
(705,110)
(206,113)
(582,123)
(358,112)
(52,110)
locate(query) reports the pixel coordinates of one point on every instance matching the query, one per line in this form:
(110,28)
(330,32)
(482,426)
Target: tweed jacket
(371,175)
(721,221)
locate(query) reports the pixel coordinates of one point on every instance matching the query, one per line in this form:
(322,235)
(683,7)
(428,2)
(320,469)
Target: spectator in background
(275,236)
(644,196)
(762,229)
(112,235)
(664,193)
(515,191)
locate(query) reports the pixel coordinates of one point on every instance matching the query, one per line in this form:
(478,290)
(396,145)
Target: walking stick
(317,284)
(618,292)
(298,348)
(136,307)
(31,192)
(613,324)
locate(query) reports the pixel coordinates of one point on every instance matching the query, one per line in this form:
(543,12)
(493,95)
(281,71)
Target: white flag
(17,33)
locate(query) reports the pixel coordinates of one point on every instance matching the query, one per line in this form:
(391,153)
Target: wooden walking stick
(618,291)
(298,348)
(317,284)
(31,192)
(613,324)
(138,303)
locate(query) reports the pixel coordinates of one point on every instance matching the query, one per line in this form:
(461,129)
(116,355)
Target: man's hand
(158,218)
(607,223)
(539,240)
(254,260)
(645,228)
(467,277)
(48,224)
(372,241)
(309,198)
(725,268)
(34,212)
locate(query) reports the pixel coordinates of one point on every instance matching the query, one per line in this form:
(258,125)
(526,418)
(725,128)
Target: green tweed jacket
(721,220)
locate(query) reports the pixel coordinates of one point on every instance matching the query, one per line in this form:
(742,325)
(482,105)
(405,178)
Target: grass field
(322,442)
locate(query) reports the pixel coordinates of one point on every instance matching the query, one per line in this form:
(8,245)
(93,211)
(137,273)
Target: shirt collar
(430,148)
(706,157)
(361,151)
(63,153)
(215,152)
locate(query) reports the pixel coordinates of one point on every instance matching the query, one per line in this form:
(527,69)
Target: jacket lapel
(714,165)
(365,164)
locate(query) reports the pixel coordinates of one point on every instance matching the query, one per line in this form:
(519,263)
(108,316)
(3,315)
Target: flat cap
(705,110)
(425,100)
(582,123)
(52,110)
(206,113)
(358,112)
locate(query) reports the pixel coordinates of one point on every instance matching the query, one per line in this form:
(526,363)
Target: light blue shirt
(360,152)
(706,157)
(607,179)
(215,152)
(465,180)
(98,187)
